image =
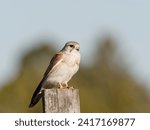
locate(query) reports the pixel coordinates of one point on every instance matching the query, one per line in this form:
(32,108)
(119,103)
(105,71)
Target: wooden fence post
(61,101)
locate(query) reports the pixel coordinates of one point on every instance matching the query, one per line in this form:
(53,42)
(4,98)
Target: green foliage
(104,87)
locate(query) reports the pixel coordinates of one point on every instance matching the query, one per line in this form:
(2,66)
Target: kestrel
(62,67)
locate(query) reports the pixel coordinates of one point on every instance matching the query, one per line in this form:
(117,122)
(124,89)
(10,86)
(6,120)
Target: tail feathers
(37,95)
(35,100)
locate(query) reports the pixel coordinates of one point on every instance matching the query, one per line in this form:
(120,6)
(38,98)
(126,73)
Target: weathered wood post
(61,101)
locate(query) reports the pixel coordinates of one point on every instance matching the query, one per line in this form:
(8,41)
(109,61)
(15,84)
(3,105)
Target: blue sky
(22,23)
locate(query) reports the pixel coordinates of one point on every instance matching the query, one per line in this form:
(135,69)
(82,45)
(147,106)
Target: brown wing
(56,59)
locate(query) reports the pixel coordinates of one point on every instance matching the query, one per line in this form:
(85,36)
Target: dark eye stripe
(71,46)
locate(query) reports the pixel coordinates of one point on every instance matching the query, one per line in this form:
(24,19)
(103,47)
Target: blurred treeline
(106,86)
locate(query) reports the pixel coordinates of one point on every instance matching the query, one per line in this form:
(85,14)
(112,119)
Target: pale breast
(72,59)
(65,70)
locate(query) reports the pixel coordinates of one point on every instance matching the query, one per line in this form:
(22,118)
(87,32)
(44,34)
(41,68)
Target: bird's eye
(71,46)
(77,49)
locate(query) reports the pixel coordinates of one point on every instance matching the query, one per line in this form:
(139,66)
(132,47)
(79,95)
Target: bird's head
(72,46)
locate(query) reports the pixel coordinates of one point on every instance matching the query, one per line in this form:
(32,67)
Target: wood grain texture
(61,101)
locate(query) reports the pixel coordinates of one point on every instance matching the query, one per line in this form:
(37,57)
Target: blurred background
(114,75)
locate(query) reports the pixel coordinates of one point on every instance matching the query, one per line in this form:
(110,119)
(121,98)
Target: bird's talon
(62,87)
(71,87)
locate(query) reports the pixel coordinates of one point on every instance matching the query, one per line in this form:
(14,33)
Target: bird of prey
(62,67)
